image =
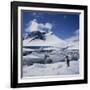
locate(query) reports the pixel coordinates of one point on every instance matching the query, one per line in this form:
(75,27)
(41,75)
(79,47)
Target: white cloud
(32,26)
(76,32)
(41,26)
(73,41)
(75,37)
(35,26)
(48,26)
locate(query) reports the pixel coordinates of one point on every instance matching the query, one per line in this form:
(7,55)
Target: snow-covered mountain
(35,48)
(50,40)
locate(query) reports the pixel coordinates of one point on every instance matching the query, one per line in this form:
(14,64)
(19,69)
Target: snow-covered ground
(59,68)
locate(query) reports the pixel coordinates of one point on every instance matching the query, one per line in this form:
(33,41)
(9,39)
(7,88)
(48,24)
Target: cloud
(35,26)
(76,32)
(48,26)
(32,26)
(73,41)
(74,38)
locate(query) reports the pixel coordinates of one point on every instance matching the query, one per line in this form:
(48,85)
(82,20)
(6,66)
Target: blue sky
(64,25)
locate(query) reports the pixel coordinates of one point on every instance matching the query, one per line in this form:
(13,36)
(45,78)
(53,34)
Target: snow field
(59,68)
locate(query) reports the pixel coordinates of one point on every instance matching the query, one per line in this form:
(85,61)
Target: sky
(63,25)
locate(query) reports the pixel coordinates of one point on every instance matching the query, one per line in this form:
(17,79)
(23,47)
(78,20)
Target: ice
(59,68)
